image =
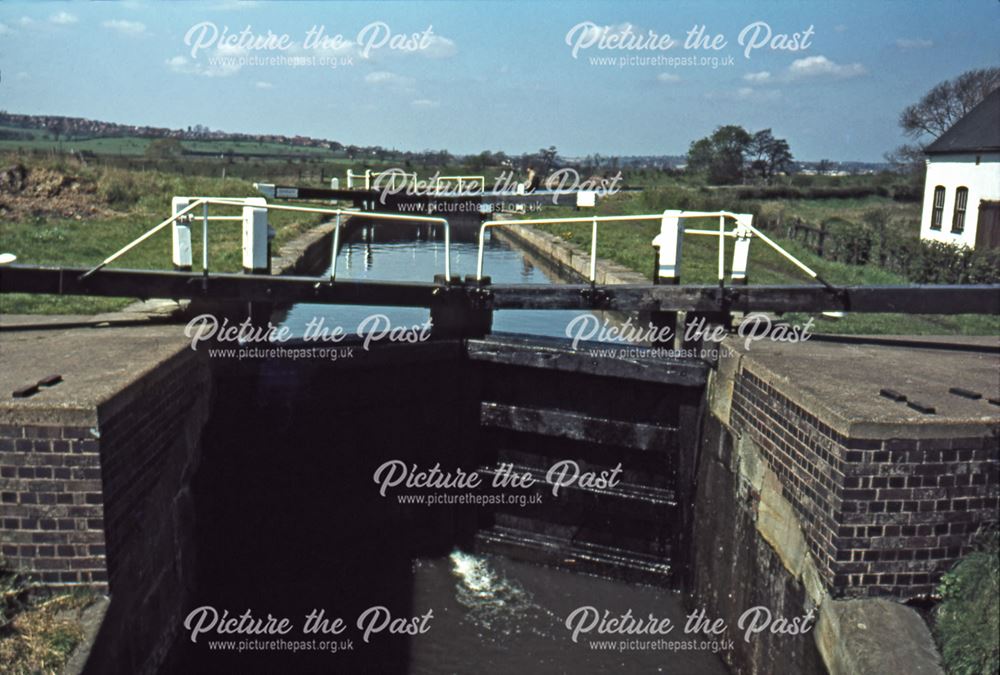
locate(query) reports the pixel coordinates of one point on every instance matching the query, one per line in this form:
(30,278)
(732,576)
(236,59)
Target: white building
(962,192)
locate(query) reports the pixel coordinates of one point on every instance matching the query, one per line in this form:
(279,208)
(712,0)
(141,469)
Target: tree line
(732,154)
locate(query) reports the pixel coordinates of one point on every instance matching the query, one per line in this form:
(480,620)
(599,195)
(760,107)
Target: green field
(133,146)
(630,244)
(138,201)
(132,201)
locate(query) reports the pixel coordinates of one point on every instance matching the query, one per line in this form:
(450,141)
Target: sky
(615,78)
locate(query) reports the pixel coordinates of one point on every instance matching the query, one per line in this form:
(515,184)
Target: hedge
(967,625)
(878,241)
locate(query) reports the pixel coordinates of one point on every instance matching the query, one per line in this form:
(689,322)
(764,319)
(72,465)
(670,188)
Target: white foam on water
(499,606)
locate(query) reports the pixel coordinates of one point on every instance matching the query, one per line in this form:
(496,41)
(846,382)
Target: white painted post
(335,184)
(668,241)
(741,250)
(368,179)
(350,179)
(180,235)
(593,251)
(586,198)
(255,233)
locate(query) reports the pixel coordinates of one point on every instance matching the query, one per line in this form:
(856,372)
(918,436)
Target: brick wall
(145,456)
(881,516)
(77,502)
(51,503)
(110,507)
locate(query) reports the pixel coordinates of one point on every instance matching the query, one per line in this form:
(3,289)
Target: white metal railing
(370,175)
(258,203)
(441,181)
(743,228)
(438,184)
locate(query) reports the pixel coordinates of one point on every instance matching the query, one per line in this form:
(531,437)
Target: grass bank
(81,215)
(39,629)
(630,244)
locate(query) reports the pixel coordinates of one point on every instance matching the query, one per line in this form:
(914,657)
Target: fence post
(741,250)
(180,235)
(255,236)
(668,265)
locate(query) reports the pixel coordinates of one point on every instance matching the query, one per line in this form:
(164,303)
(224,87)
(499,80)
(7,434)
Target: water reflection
(411,260)
(497,605)
(496,616)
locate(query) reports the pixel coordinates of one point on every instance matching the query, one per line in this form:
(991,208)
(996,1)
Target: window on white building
(937,215)
(961,200)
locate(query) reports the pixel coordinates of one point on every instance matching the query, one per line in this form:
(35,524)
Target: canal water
(290,521)
(506,616)
(394,256)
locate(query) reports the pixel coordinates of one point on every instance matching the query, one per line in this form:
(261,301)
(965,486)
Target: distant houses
(80,128)
(962,190)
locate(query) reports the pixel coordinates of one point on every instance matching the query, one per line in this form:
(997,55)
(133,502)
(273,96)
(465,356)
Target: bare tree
(939,109)
(947,102)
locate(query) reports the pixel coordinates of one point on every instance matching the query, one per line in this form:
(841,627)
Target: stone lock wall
(109,506)
(882,516)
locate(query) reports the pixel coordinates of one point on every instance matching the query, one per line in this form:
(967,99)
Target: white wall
(954,171)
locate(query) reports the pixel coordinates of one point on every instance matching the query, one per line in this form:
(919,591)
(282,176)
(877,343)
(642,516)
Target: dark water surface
(420,261)
(506,616)
(289,519)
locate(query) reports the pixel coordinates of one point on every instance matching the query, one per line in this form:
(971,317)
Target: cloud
(344,48)
(591,32)
(819,66)
(907,44)
(263,85)
(215,68)
(5,29)
(125,27)
(840,28)
(749,93)
(230,5)
(178,64)
(384,77)
(808,68)
(425,103)
(668,77)
(436,47)
(744,94)
(439,48)
(22,76)
(762,76)
(63,18)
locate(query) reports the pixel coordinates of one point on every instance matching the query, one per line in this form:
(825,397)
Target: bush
(878,240)
(967,624)
(851,243)
(908,193)
(661,199)
(799,189)
(118,189)
(983,267)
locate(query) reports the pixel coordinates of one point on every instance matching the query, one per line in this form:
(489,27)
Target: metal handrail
(594,220)
(459,179)
(204,202)
(368,175)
